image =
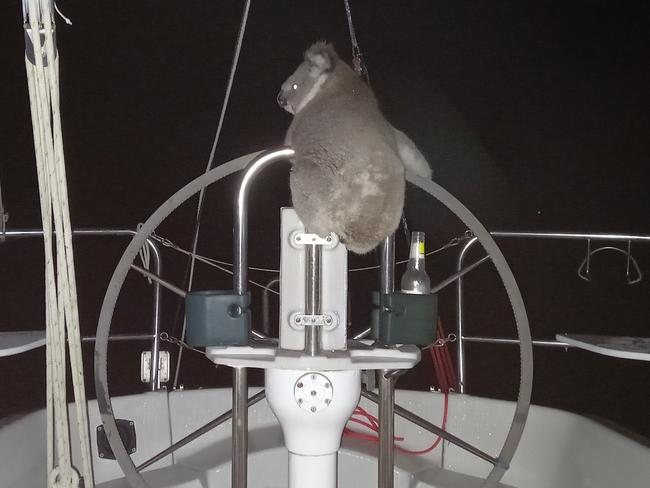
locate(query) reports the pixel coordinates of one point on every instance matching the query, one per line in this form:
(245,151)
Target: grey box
(217,318)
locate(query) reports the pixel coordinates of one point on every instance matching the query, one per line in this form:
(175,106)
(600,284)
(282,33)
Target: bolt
(297,320)
(299,385)
(328,320)
(133,450)
(313,409)
(131,422)
(298,238)
(313,393)
(101,454)
(329,239)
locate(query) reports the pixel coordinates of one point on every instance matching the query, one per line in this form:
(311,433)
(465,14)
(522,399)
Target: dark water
(534,115)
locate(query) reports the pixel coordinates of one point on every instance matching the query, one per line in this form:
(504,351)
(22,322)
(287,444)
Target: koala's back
(347,177)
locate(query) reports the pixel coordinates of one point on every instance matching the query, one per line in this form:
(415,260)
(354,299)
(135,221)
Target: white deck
(558,449)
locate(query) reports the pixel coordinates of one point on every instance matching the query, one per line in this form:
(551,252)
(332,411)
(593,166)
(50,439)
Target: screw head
(313,393)
(313,409)
(297,320)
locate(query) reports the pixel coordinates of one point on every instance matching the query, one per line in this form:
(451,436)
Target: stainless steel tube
(155,346)
(386,382)
(387,265)
(240,264)
(121,337)
(504,340)
(386,429)
(574,236)
(239,473)
(312,297)
(459,315)
(240,272)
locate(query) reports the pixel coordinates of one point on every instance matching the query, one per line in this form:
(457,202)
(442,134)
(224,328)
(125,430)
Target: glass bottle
(416,280)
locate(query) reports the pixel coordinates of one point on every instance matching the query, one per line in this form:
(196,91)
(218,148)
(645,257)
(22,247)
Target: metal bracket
(323,320)
(299,239)
(163,366)
(29,43)
(126,428)
(584,268)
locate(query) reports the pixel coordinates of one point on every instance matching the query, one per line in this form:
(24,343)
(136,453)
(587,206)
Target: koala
(348,175)
(411,156)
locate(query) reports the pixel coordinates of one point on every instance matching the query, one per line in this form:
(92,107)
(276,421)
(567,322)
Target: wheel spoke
(154,277)
(434,429)
(449,280)
(224,417)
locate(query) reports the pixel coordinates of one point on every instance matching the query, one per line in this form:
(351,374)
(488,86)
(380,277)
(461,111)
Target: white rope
(62,316)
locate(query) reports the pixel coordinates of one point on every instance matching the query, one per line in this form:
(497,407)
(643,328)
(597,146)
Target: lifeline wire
(61,312)
(199,209)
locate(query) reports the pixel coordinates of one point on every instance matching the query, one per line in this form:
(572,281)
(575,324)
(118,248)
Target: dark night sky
(534,114)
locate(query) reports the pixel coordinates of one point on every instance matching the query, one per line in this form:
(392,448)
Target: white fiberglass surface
(558,449)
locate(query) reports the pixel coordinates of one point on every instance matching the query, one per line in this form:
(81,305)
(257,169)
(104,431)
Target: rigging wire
(361,69)
(189,276)
(219,264)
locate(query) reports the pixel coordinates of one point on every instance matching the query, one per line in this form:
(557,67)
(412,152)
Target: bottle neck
(416,254)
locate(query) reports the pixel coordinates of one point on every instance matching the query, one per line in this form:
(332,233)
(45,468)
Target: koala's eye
(294,86)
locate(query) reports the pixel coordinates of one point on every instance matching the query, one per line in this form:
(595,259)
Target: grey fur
(412,158)
(347,177)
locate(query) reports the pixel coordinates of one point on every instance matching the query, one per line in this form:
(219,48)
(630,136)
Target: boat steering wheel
(135,478)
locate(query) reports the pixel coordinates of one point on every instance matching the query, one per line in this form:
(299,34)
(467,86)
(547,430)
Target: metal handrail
(460,324)
(157,262)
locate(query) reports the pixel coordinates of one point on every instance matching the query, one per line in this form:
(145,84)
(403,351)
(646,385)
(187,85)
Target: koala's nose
(281,100)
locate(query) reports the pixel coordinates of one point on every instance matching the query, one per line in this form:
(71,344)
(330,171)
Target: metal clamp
(299,239)
(302,319)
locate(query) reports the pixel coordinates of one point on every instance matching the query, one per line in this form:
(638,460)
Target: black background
(534,114)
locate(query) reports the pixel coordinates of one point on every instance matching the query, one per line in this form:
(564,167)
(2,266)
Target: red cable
(446,378)
(372,438)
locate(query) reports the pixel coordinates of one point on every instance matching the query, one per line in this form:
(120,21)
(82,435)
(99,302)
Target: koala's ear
(322,57)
